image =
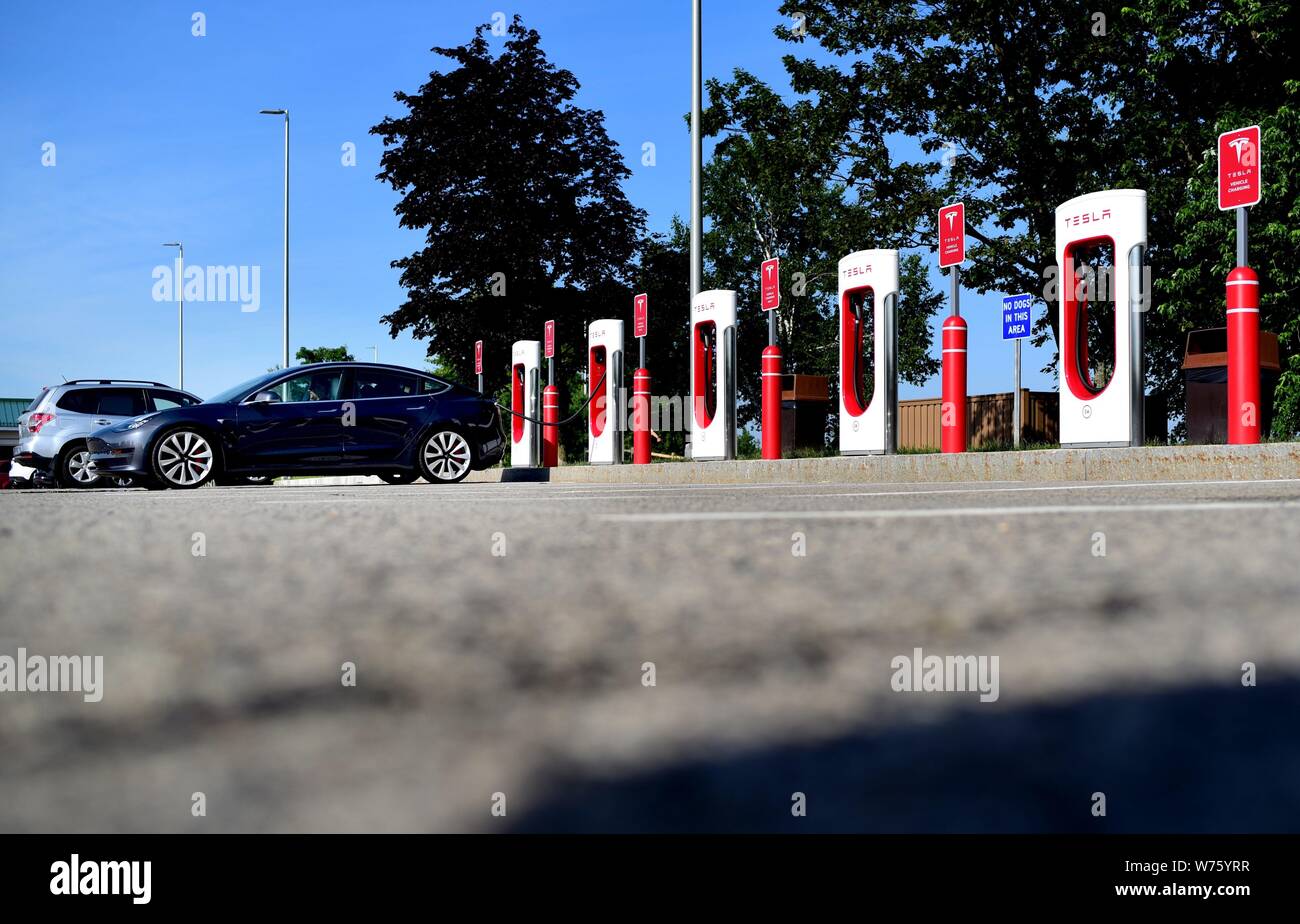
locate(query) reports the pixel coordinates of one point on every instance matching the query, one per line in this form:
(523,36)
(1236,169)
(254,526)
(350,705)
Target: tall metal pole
(1015,403)
(180,312)
(180,319)
(1243,237)
(286,239)
(697,151)
(954,274)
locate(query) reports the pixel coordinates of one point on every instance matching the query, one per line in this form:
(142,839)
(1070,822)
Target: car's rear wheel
(398,477)
(74,469)
(184,458)
(445,457)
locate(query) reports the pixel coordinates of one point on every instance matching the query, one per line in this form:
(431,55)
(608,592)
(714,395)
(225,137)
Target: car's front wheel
(184,458)
(445,457)
(74,469)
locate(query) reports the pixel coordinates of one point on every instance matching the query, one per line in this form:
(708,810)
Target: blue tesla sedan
(322,419)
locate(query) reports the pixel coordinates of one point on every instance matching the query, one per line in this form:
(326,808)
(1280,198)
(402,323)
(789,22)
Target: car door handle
(103,423)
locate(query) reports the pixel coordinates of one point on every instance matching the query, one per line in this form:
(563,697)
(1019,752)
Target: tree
(519,195)
(1016,111)
(774,188)
(338,354)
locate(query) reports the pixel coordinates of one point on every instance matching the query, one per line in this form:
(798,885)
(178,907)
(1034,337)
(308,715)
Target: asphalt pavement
(548,657)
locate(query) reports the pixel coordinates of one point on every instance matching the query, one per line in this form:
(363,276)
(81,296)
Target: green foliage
(773,188)
(338,354)
(518,193)
(1045,102)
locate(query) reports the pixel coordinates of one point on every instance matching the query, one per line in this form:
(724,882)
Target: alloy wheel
(184,459)
(447,456)
(79,468)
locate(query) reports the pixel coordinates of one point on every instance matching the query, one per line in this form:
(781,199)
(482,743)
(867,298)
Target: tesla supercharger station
(525,398)
(1107,231)
(868,422)
(605,413)
(713,375)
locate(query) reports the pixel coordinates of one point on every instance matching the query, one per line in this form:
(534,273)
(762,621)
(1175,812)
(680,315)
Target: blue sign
(1016,320)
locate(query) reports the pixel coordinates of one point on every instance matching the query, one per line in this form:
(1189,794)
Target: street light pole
(697,150)
(285,113)
(180,313)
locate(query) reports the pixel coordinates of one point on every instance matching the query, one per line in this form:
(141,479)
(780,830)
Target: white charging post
(869,283)
(713,375)
(1101,241)
(525,398)
(606,413)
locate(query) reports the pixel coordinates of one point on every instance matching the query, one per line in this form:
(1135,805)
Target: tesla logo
(1087,218)
(951,216)
(1245,151)
(857,270)
(702,307)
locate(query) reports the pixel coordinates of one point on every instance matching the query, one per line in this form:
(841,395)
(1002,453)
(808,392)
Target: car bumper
(32,460)
(118,453)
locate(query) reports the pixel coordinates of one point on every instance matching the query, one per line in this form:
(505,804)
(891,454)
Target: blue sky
(157,137)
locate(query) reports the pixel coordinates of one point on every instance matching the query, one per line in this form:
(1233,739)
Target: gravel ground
(503,637)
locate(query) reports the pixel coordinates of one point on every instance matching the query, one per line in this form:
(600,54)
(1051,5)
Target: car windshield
(230,394)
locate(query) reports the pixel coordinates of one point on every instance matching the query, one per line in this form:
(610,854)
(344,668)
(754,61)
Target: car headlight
(138,422)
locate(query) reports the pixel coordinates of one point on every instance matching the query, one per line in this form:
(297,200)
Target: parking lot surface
(543,657)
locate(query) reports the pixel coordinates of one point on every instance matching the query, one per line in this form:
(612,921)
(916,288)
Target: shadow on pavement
(525,474)
(1201,759)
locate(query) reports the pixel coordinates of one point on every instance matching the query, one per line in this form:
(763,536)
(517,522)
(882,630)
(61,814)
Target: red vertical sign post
(641,384)
(1240,163)
(769,282)
(550,402)
(478,363)
(953,426)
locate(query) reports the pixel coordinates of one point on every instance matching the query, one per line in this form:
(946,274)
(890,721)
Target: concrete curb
(1154,463)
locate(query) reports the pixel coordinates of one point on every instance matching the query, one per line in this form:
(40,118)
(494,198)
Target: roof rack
(115,382)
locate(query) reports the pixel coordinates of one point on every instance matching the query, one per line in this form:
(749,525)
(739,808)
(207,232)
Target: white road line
(747,515)
(1058,487)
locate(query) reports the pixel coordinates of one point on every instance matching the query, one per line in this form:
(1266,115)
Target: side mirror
(264,397)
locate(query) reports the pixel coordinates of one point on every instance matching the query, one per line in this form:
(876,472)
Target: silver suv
(52,431)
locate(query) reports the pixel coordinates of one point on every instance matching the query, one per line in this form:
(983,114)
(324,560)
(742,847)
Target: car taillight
(36,421)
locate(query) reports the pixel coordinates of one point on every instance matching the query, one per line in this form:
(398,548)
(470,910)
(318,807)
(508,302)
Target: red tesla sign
(478,357)
(1239,166)
(770,279)
(952,235)
(550,339)
(640,315)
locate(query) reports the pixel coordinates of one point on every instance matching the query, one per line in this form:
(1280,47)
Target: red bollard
(1243,356)
(641,417)
(953,427)
(772,402)
(550,428)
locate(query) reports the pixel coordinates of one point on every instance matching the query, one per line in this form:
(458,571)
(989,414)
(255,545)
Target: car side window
(79,401)
(432,387)
(311,386)
(121,402)
(379,383)
(164,400)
